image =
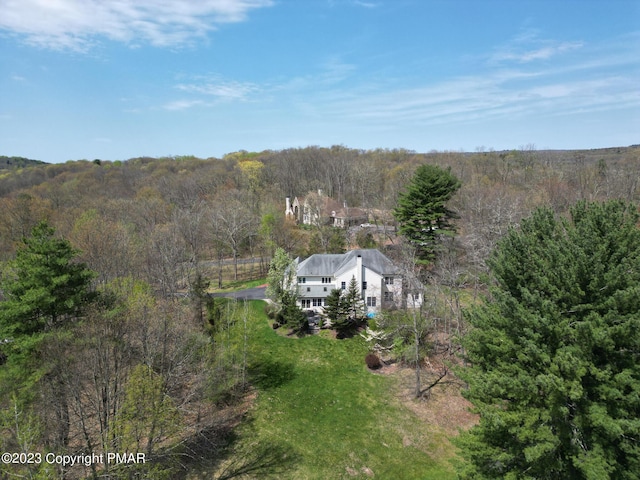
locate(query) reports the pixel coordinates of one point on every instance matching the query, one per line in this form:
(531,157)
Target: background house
(380,282)
(319,209)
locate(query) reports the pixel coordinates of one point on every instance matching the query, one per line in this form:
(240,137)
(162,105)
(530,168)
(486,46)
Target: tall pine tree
(335,310)
(422,211)
(554,352)
(43,286)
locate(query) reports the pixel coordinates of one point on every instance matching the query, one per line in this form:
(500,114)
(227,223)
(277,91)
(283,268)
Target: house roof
(337,264)
(320,265)
(350,212)
(328,207)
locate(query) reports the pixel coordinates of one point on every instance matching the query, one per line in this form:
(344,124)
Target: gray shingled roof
(328,265)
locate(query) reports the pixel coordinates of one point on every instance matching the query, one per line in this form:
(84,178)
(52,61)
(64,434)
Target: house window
(388,296)
(371,301)
(344,285)
(326,279)
(308,289)
(388,280)
(325,289)
(364,285)
(317,302)
(302,280)
(306,303)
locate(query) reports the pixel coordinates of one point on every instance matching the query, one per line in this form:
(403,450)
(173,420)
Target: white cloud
(356,3)
(528,47)
(361,3)
(183,104)
(574,82)
(541,53)
(335,71)
(497,95)
(223,89)
(79,24)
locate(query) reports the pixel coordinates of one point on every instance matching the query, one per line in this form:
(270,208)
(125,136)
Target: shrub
(271,310)
(373,361)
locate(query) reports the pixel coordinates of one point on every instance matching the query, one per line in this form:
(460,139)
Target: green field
(319,413)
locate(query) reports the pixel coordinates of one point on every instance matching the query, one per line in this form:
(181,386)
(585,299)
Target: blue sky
(115,79)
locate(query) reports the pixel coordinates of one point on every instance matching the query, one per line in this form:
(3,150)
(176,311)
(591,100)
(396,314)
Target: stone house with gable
(319,209)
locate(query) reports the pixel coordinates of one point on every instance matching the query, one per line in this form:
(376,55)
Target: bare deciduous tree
(233,223)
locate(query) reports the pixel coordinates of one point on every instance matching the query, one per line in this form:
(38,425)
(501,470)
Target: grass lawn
(231,286)
(323,415)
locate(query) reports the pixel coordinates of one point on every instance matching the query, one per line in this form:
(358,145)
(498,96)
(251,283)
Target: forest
(145,361)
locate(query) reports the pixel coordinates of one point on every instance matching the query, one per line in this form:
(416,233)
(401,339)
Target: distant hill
(18,162)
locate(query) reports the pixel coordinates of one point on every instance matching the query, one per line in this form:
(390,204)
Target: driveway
(256,293)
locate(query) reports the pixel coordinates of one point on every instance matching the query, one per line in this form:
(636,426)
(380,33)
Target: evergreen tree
(290,314)
(347,307)
(43,285)
(422,213)
(554,352)
(334,307)
(354,305)
(337,241)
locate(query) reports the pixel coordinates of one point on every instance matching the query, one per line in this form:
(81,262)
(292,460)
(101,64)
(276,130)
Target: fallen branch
(427,390)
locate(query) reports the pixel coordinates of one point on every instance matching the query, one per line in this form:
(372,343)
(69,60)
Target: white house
(380,282)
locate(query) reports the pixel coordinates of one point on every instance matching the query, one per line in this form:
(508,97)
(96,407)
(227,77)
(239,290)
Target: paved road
(257,293)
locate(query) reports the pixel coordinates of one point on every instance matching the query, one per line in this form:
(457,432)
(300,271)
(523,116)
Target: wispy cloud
(470,99)
(79,24)
(525,55)
(574,79)
(177,105)
(528,77)
(361,3)
(335,70)
(220,88)
(211,90)
(509,86)
(528,47)
(357,3)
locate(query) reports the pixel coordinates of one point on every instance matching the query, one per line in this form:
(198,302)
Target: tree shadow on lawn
(218,452)
(269,374)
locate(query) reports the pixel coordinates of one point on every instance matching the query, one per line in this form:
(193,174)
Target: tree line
(89,369)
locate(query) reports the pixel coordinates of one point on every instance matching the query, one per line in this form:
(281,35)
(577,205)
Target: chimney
(359,273)
(287,210)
